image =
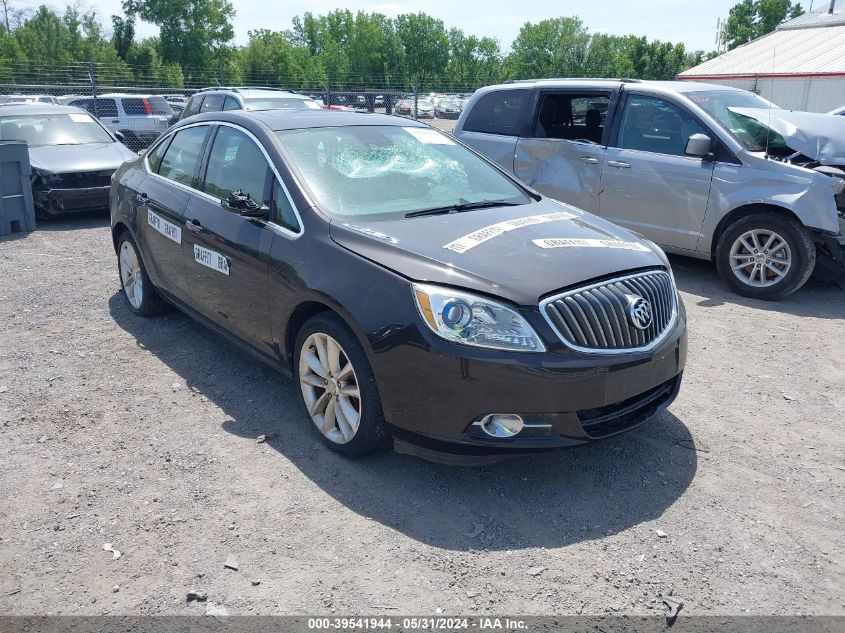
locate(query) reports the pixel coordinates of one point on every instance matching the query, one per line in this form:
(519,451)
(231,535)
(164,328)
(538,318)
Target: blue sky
(689,21)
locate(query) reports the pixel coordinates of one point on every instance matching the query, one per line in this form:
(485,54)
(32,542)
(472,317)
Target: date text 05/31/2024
(417,624)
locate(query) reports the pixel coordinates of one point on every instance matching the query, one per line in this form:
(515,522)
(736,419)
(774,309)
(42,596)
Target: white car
(840,111)
(140,119)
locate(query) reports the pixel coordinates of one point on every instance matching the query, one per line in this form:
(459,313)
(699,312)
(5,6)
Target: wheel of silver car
(338,387)
(766,255)
(330,388)
(142,296)
(760,258)
(130,274)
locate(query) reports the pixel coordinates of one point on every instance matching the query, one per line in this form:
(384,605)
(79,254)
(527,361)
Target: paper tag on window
(428,136)
(79,118)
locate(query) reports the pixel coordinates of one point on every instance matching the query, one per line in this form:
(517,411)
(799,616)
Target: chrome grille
(595,318)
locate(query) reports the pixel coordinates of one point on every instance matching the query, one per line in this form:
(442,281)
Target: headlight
(468,319)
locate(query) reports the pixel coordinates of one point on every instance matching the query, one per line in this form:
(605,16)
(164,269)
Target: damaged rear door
(562,156)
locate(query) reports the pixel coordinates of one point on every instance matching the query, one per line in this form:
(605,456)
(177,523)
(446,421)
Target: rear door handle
(590,160)
(619,164)
(194,226)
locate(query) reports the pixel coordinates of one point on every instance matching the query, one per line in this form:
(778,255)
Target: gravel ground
(141,433)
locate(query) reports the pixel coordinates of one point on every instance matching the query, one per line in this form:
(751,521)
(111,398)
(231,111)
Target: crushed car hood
(62,159)
(817,136)
(520,253)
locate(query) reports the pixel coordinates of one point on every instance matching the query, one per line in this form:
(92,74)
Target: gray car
(73,156)
(703,170)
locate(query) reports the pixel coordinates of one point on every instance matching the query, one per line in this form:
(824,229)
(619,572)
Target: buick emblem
(639,312)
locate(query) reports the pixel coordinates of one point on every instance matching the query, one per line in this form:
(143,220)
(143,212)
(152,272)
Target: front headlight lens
(468,319)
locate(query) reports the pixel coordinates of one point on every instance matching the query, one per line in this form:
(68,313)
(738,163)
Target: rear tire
(765,256)
(337,387)
(141,296)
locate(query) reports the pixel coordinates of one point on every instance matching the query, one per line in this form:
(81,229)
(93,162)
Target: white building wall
(811,94)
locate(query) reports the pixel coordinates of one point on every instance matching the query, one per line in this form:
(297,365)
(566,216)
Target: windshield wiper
(462,206)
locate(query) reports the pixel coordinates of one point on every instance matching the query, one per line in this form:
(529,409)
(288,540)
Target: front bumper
(58,201)
(432,392)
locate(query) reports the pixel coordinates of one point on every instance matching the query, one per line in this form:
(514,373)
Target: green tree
(551,48)
(426,47)
(123,34)
(193,34)
(751,19)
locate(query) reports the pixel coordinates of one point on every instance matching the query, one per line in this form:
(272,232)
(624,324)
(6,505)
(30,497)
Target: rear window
(193,107)
(498,112)
(143,106)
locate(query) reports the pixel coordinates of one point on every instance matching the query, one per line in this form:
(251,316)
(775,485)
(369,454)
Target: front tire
(141,295)
(337,387)
(765,256)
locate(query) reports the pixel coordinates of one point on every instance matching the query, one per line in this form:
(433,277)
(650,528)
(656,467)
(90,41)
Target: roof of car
(248,93)
(38,108)
(677,86)
(296,119)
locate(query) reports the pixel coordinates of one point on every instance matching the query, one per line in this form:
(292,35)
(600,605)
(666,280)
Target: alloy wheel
(130,275)
(760,258)
(330,388)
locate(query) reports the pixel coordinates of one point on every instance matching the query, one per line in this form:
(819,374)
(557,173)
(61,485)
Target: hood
(518,253)
(817,136)
(61,159)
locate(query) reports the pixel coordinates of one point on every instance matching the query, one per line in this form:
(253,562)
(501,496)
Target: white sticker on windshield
(463,244)
(211,259)
(77,117)
(567,242)
(170,231)
(428,136)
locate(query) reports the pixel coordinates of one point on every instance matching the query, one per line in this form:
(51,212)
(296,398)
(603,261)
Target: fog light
(502,425)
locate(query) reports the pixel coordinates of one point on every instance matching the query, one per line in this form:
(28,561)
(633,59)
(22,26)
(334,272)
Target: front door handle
(590,160)
(618,164)
(194,226)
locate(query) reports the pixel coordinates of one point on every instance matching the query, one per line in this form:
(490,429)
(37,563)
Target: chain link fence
(139,103)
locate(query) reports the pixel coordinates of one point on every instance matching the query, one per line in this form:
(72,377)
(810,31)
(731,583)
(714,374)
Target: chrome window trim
(286,232)
(673,318)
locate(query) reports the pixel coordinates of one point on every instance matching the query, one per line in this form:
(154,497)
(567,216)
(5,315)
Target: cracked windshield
(383,172)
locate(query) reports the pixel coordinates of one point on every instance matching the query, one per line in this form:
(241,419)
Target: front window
(651,124)
(53,129)
(750,133)
(287,103)
(387,171)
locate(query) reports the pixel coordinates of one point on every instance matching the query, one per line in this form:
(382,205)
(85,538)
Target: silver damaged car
(703,170)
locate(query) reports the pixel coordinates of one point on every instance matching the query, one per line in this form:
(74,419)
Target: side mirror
(120,137)
(240,203)
(699,145)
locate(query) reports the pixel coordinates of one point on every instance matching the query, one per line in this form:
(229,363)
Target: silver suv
(137,120)
(218,99)
(703,170)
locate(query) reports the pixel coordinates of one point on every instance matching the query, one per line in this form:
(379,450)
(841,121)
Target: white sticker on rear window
(170,231)
(429,137)
(77,117)
(568,242)
(211,259)
(463,244)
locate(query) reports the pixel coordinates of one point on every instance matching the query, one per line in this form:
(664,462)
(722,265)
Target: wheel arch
(743,211)
(309,308)
(116,231)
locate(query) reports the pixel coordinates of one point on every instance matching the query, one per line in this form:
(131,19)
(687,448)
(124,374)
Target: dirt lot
(142,434)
